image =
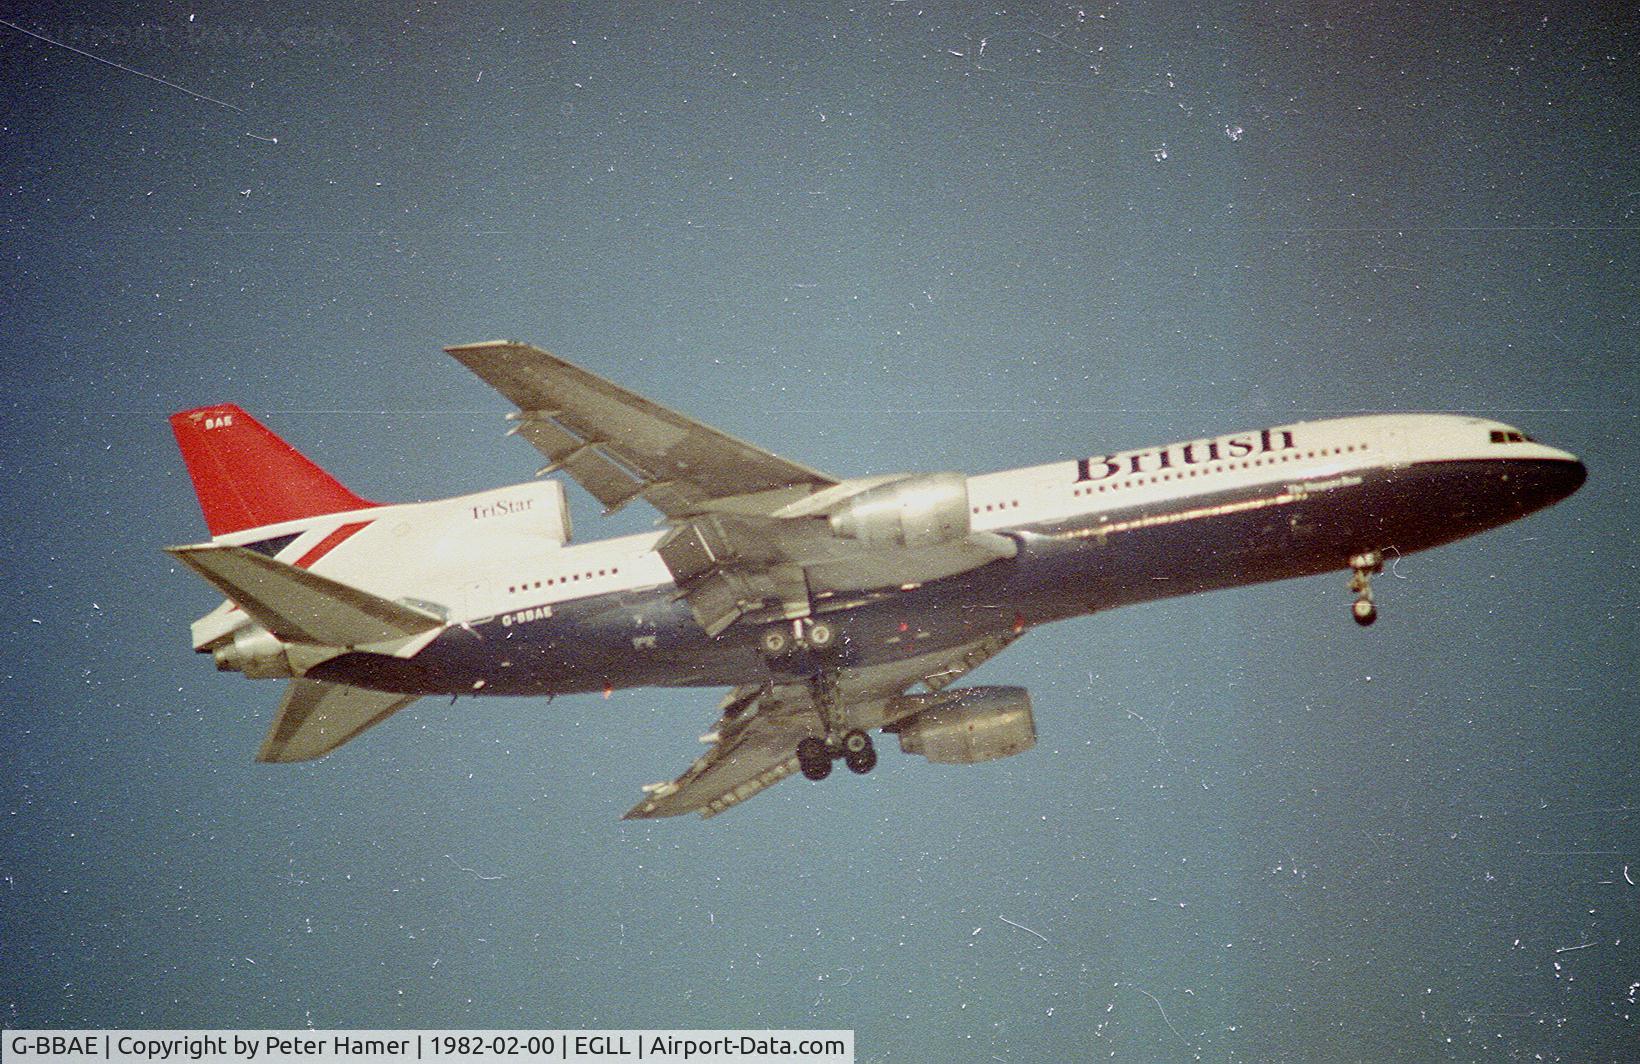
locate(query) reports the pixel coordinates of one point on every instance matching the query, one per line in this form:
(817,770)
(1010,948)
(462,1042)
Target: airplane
(820,602)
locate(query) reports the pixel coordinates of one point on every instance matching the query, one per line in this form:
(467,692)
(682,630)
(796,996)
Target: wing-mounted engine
(968,725)
(759,735)
(919,511)
(860,535)
(897,531)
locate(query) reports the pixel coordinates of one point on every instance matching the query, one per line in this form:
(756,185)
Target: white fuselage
(504,553)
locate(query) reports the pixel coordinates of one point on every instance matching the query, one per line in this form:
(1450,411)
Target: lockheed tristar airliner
(832,608)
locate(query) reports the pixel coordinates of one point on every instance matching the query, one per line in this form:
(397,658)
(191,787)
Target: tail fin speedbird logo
(833,609)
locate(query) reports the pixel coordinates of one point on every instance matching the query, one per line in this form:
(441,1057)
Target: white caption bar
(439,1047)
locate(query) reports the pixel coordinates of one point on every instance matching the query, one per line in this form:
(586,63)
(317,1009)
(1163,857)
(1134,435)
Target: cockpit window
(1509,436)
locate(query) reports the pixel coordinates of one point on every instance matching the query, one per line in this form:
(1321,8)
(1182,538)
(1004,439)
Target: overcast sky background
(899,236)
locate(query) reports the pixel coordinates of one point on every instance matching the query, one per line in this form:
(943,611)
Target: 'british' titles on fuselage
(1178,455)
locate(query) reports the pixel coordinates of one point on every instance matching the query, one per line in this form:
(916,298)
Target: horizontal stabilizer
(315,718)
(302,607)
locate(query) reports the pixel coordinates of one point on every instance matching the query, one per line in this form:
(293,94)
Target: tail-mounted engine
(254,651)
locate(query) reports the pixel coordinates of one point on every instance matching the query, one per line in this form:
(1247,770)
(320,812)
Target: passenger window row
(552,581)
(1249,463)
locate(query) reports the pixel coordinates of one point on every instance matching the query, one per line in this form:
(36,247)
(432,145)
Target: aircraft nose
(1569,476)
(1544,481)
(1552,480)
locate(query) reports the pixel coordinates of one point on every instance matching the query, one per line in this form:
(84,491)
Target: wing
(750,536)
(754,746)
(754,742)
(619,445)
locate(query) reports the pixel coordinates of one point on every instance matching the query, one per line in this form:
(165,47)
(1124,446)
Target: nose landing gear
(1362,568)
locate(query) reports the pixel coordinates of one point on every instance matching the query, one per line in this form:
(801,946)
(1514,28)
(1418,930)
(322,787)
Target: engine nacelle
(256,652)
(918,511)
(970,725)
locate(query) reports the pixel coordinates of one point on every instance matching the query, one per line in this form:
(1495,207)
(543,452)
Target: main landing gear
(812,634)
(1362,568)
(816,754)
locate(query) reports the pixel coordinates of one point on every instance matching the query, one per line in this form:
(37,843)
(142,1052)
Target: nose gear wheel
(1362,568)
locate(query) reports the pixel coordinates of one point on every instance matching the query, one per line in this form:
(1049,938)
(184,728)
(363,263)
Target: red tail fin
(246,477)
